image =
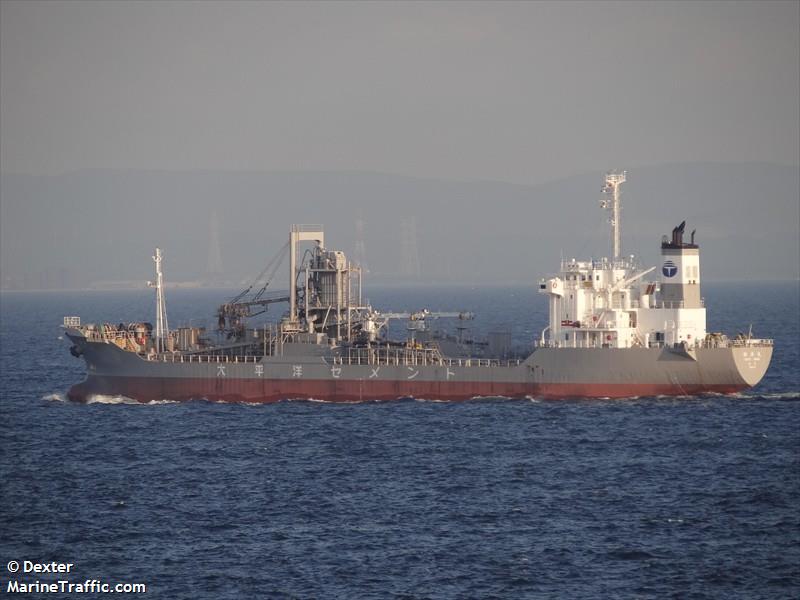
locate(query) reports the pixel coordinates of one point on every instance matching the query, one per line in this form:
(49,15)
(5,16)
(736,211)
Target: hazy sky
(520,92)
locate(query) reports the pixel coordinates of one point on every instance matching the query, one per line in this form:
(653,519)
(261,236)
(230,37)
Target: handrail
(382,360)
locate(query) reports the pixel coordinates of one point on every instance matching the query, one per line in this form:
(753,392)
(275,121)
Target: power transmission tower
(410,266)
(360,252)
(214,252)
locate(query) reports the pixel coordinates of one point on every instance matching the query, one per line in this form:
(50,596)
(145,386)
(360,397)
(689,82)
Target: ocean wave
(105,399)
(318,401)
(772,396)
(119,399)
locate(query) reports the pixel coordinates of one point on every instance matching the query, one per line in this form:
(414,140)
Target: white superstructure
(608,303)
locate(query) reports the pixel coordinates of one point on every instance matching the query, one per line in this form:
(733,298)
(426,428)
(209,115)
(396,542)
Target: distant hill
(103,225)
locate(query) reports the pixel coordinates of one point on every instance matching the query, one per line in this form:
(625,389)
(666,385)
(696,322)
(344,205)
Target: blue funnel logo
(669,269)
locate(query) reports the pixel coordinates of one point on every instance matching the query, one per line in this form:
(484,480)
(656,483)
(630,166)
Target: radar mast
(612,201)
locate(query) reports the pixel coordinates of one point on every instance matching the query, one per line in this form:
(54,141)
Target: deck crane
(231,314)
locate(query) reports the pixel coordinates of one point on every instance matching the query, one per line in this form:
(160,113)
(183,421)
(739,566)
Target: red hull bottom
(267,391)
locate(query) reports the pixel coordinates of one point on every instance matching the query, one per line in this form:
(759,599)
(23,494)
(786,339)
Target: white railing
(383,359)
(737,343)
(114,334)
(403,360)
(200,358)
(675,304)
(714,343)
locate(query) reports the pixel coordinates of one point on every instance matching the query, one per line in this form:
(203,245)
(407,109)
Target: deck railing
(177,357)
(378,359)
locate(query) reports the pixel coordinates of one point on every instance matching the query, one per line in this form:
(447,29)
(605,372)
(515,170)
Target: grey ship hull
(307,371)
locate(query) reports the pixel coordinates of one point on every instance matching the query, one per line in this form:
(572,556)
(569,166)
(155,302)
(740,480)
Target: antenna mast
(162,327)
(612,201)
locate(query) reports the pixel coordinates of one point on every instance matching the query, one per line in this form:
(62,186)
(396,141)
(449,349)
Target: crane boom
(232,313)
(424,314)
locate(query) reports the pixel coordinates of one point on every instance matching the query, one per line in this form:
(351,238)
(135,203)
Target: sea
(688,497)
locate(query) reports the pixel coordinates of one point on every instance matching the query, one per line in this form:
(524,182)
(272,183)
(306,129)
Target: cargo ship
(612,333)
